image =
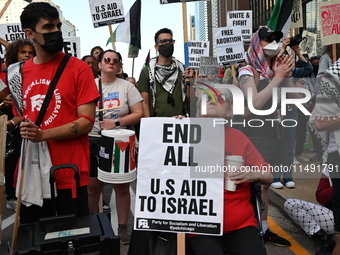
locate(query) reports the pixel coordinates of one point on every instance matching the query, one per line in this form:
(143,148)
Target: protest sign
(244,19)
(13,31)
(229,45)
(175,193)
(178,1)
(72,46)
(106,12)
(297,14)
(193,51)
(330,22)
(209,66)
(10,33)
(308,44)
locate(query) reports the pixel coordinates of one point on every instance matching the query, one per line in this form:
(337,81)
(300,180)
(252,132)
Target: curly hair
(12,50)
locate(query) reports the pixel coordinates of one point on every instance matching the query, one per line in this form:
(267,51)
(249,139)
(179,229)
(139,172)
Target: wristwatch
(117,123)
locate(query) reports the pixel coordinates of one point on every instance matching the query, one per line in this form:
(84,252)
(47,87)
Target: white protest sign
(330,22)
(229,45)
(243,19)
(308,43)
(72,46)
(175,191)
(106,12)
(297,14)
(10,33)
(13,31)
(209,67)
(196,50)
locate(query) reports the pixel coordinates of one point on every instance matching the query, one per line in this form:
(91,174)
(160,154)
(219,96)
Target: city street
(301,243)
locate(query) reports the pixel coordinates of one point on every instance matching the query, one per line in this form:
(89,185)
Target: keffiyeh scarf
(327,105)
(166,76)
(257,59)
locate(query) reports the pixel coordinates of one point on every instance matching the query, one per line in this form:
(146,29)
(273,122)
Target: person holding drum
(124,108)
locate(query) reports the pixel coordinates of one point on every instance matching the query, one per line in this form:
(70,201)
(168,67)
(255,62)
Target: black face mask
(53,42)
(166,50)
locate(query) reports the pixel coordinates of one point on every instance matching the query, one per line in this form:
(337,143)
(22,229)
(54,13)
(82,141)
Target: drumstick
(2,103)
(112,108)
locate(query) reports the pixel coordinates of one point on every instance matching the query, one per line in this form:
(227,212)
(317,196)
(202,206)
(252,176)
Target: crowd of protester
(162,90)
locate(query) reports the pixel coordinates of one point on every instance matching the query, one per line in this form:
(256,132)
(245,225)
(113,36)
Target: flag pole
(3,128)
(181,236)
(185,23)
(133,66)
(112,39)
(5,8)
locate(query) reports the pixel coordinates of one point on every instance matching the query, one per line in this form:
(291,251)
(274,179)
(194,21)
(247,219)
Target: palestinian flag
(147,59)
(280,17)
(129,31)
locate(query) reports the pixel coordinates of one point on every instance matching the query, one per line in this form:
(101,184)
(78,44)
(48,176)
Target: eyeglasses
(223,98)
(108,60)
(96,52)
(164,41)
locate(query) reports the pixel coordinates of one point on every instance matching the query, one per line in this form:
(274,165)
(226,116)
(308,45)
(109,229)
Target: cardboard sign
(297,14)
(330,22)
(308,44)
(104,12)
(72,46)
(229,45)
(13,31)
(209,66)
(193,51)
(244,19)
(175,193)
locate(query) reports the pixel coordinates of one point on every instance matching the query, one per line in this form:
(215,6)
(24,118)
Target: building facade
(14,10)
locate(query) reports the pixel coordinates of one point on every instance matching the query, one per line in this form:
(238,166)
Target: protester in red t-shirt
(240,228)
(70,114)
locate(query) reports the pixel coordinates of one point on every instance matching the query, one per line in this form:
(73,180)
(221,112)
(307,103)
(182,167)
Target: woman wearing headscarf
(264,72)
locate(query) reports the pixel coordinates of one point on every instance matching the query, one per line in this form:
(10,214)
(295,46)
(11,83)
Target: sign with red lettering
(330,22)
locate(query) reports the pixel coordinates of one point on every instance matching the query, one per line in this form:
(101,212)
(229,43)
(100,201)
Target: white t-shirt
(118,93)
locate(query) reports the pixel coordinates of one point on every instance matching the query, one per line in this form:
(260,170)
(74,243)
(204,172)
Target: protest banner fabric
(243,19)
(174,194)
(129,30)
(229,45)
(106,12)
(280,18)
(193,51)
(330,22)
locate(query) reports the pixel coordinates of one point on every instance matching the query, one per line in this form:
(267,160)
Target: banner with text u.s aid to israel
(106,12)
(180,176)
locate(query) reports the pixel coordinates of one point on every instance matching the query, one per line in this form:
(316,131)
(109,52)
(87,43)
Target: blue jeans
(289,148)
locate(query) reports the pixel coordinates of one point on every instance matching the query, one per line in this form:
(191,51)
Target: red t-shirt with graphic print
(76,87)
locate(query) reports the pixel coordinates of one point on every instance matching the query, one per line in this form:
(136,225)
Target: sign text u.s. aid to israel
(174,193)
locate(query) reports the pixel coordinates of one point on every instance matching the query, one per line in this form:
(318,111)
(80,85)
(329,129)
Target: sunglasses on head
(108,60)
